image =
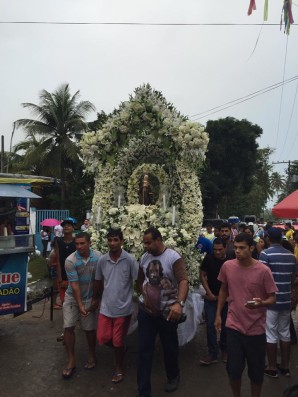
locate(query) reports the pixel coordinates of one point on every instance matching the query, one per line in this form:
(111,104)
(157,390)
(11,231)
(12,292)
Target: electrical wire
(281,95)
(290,122)
(256,43)
(135,23)
(237,101)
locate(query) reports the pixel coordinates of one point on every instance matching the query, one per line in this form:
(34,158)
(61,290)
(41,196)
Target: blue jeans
(148,328)
(210,308)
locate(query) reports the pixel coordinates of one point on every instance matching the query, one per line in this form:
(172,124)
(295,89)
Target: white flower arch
(148,134)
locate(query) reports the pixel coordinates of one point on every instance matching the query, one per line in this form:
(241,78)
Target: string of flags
(286,17)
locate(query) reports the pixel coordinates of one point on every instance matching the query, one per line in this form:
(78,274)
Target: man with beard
(226,235)
(150,324)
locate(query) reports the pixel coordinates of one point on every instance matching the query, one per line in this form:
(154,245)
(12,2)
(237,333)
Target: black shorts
(246,348)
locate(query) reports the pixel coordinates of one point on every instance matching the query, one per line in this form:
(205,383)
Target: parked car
(250,218)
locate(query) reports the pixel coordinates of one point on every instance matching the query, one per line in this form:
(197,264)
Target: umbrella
(288,207)
(71,219)
(50,222)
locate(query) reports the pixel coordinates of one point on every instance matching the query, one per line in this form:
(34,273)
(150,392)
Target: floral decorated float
(145,160)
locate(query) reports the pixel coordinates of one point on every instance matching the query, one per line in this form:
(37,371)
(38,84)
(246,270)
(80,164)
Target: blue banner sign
(13,283)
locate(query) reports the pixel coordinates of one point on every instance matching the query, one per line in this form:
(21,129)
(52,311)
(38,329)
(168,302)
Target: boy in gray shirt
(115,274)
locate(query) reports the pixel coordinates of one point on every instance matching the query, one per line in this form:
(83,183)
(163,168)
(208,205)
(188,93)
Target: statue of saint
(146,196)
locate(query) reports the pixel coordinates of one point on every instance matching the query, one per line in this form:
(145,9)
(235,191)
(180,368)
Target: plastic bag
(193,309)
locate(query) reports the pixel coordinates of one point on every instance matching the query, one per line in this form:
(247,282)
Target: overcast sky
(195,67)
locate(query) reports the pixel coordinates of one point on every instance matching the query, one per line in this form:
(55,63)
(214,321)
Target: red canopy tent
(288,207)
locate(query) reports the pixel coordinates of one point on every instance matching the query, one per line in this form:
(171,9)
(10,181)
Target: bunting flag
(287,16)
(252,7)
(266,10)
(286,13)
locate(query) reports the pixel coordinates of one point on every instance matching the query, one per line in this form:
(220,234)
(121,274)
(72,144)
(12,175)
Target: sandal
(68,372)
(60,338)
(117,377)
(90,365)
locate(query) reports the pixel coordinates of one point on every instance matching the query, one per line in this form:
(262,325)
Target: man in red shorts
(249,288)
(115,274)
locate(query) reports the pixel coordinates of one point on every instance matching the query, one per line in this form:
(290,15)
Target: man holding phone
(249,287)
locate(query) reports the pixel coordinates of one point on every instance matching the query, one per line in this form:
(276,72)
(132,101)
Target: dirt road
(32,360)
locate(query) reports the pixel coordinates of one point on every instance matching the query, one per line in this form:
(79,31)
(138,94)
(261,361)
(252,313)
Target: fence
(38,216)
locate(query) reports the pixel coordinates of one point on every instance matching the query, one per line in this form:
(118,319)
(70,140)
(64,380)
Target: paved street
(32,360)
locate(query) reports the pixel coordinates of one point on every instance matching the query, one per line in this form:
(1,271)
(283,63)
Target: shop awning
(7,190)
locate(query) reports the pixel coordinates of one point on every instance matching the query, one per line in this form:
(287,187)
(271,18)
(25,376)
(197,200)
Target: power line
(237,101)
(281,95)
(135,23)
(289,125)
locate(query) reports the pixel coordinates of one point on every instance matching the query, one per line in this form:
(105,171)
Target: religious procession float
(145,160)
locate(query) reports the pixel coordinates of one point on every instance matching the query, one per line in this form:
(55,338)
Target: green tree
(277,183)
(61,122)
(228,175)
(23,159)
(95,125)
(264,184)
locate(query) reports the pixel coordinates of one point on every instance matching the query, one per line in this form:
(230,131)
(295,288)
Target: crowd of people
(249,279)
(97,289)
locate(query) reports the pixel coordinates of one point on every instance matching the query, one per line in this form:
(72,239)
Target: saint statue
(146,196)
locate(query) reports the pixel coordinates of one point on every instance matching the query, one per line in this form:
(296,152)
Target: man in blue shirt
(80,268)
(283,266)
(204,245)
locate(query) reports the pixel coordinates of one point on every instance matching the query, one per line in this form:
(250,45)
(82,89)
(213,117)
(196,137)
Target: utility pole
(289,169)
(10,147)
(2,153)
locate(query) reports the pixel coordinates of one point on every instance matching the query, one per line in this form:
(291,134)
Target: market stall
(15,245)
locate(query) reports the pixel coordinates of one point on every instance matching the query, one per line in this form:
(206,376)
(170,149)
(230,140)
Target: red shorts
(113,330)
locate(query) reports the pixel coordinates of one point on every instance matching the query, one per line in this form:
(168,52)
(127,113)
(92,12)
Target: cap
(67,222)
(274,233)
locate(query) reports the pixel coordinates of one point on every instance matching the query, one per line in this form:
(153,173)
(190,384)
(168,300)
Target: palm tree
(60,123)
(24,157)
(277,182)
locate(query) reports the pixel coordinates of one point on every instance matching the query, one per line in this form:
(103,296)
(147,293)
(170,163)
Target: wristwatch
(181,303)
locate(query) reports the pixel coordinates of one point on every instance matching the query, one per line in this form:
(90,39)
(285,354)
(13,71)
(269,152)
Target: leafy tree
(95,125)
(265,184)
(228,175)
(60,123)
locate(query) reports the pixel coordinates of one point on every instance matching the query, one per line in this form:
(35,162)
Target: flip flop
(117,377)
(68,372)
(60,338)
(90,365)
